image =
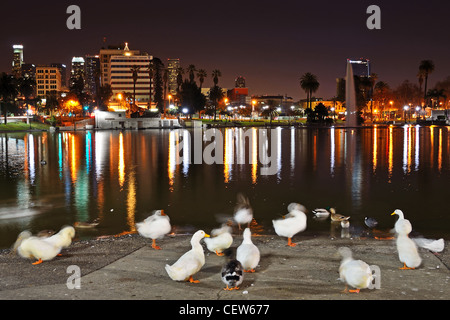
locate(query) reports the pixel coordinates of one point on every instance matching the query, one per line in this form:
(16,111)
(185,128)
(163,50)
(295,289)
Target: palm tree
(191,69)
(309,83)
(135,71)
(180,72)
(215,75)
(201,75)
(165,80)
(150,69)
(425,68)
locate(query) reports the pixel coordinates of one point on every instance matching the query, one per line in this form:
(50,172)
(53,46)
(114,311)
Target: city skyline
(270,45)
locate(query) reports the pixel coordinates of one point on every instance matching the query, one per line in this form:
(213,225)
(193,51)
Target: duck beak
(207,235)
(393,213)
(162,213)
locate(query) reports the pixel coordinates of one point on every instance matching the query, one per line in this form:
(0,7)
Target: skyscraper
(105,60)
(17,60)
(77,69)
(172,68)
(361,67)
(92,74)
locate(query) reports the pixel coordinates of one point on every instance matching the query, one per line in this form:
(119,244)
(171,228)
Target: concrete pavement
(127,268)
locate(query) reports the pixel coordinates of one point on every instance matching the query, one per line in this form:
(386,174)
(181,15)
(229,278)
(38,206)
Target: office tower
(62,68)
(121,77)
(92,74)
(361,67)
(105,60)
(77,69)
(172,68)
(17,60)
(48,80)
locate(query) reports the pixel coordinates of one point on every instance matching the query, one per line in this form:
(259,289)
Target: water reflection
(121,176)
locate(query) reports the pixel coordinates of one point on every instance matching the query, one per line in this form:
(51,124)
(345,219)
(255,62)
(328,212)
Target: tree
(135,71)
(191,97)
(8,92)
(436,94)
(215,75)
(191,71)
(158,82)
(425,68)
(180,73)
(26,88)
(310,84)
(408,93)
(215,95)
(201,75)
(165,80)
(150,70)
(321,112)
(104,94)
(381,93)
(51,102)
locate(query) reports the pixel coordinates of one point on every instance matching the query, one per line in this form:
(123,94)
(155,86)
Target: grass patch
(21,126)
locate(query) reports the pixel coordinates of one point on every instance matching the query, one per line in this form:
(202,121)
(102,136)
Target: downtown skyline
(271,45)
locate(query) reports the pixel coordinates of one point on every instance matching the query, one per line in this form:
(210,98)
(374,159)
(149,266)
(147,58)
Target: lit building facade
(121,77)
(17,60)
(105,61)
(92,74)
(172,72)
(48,80)
(78,69)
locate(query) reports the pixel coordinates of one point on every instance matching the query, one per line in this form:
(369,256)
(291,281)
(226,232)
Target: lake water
(48,180)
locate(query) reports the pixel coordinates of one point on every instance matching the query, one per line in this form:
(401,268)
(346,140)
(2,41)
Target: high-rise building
(361,67)
(17,60)
(62,68)
(48,80)
(172,68)
(105,60)
(121,79)
(92,74)
(77,69)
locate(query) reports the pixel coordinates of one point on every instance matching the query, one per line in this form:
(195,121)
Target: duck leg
(290,243)
(405,267)
(154,246)
(191,280)
(220,253)
(37,262)
(250,270)
(354,291)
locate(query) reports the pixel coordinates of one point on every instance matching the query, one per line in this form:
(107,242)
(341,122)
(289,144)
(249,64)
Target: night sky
(270,43)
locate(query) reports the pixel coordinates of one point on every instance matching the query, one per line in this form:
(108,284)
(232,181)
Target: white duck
(155,227)
(402,224)
(406,247)
(220,240)
(430,244)
(43,249)
(243,212)
(355,273)
(247,253)
(293,223)
(189,263)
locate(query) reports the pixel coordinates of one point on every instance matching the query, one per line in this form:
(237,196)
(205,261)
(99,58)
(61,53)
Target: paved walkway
(127,267)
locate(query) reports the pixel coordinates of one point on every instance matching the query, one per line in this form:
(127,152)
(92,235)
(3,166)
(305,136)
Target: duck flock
(246,257)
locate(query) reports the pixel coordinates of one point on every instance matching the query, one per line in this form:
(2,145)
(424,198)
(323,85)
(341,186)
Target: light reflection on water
(121,176)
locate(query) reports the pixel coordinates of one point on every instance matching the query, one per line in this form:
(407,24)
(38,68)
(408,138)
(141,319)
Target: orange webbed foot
(37,262)
(154,246)
(290,243)
(191,280)
(250,270)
